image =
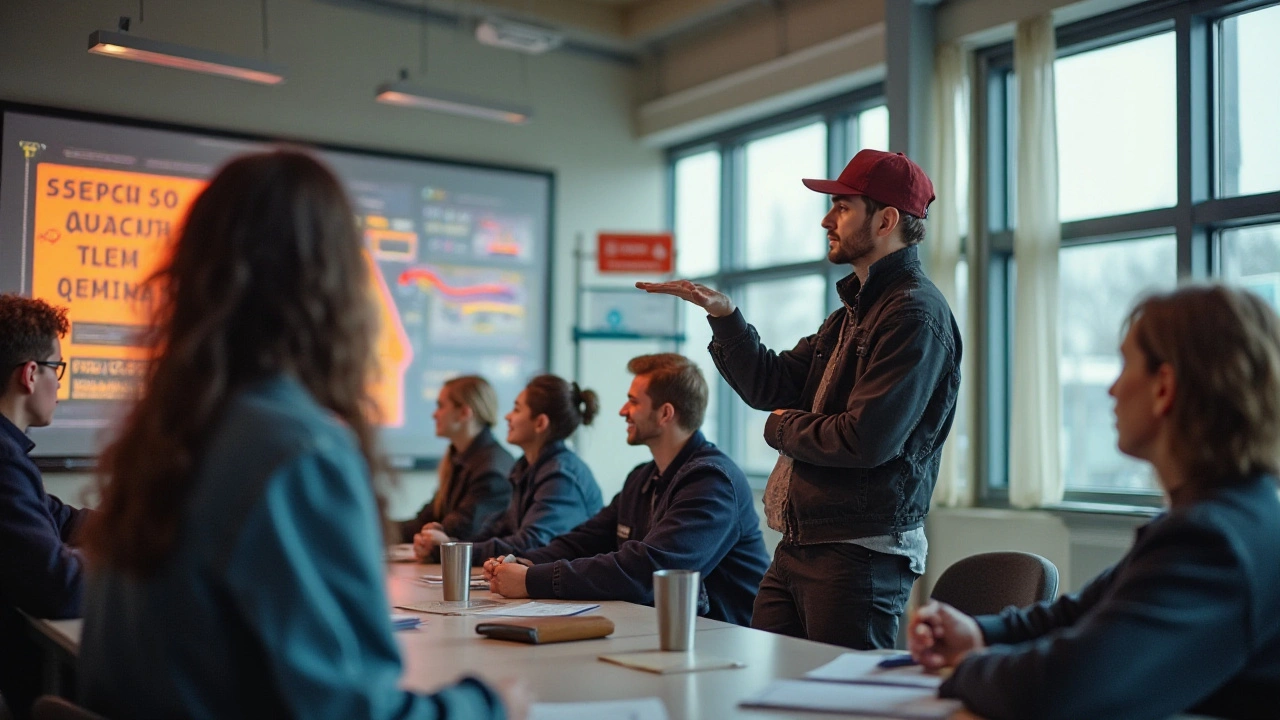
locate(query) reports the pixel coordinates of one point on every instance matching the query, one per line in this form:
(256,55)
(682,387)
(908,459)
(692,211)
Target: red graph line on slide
(427,277)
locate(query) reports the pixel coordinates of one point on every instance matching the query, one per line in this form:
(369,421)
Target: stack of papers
(537,609)
(404,622)
(854,698)
(864,668)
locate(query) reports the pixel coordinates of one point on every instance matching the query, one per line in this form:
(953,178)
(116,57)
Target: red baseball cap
(888,178)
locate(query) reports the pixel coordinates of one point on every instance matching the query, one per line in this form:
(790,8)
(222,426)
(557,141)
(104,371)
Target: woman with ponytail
(235,560)
(473,484)
(552,489)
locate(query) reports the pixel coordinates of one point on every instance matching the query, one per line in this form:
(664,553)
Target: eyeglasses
(59,367)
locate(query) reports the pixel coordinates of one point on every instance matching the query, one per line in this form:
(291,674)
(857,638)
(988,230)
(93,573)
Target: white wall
(336,55)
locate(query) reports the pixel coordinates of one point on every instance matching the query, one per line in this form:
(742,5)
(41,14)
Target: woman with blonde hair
(235,562)
(1189,619)
(552,489)
(473,485)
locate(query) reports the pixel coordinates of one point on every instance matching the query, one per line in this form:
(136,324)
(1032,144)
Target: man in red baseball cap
(860,411)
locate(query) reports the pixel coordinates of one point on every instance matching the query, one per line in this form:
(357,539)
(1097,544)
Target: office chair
(51,707)
(987,583)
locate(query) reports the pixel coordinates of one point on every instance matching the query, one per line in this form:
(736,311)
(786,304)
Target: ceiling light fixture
(130,47)
(405,94)
(517,36)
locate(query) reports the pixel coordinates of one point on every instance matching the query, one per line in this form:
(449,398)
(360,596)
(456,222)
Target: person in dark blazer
(473,484)
(689,508)
(1189,619)
(41,574)
(552,489)
(236,558)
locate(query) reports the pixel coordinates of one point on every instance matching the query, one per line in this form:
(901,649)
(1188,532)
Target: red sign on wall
(631,253)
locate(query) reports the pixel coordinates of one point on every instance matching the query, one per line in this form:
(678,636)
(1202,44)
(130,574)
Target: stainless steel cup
(675,597)
(455,566)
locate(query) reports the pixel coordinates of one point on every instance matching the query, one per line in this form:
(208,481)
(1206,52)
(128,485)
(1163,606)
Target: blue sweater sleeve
(307,578)
(41,574)
(1171,629)
(698,528)
(556,507)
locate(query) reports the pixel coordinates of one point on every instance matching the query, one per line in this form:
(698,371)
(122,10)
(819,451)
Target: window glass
(1117,121)
(697,214)
(873,128)
(782,311)
(783,217)
(697,335)
(1098,286)
(1249,102)
(1251,259)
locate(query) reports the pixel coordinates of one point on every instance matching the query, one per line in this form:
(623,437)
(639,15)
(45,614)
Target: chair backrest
(987,583)
(50,707)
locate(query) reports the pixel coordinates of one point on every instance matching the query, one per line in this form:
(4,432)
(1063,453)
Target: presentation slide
(457,255)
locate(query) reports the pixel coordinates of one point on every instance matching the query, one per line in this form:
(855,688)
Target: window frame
(1196,219)
(840,114)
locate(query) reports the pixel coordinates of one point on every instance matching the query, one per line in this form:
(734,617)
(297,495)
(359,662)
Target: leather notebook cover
(539,631)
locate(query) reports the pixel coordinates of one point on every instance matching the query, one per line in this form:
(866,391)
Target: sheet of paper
(861,667)
(538,609)
(856,698)
(668,663)
(638,709)
(477,583)
(442,607)
(439,579)
(402,552)
(400,621)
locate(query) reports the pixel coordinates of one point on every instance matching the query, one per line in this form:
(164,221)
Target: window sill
(1070,508)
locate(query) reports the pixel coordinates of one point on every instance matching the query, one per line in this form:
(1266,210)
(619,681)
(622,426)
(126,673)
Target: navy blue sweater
(548,498)
(1187,621)
(697,515)
(39,573)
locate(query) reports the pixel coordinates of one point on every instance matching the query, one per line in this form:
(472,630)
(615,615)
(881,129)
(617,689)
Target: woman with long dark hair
(552,489)
(235,561)
(473,485)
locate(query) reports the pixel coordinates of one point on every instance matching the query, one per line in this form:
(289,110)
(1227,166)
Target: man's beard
(861,246)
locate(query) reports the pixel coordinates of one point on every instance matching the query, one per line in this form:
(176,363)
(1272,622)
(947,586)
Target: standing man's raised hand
(716,303)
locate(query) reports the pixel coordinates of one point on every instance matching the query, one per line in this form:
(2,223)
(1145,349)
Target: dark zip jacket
(1187,622)
(40,574)
(698,515)
(478,490)
(866,462)
(551,497)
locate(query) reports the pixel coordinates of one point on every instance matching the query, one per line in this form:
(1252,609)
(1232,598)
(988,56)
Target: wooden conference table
(446,648)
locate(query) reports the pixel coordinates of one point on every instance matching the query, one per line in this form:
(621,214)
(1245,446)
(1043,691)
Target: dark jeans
(836,593)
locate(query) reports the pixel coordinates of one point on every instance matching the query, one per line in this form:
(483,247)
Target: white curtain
(1035,470)
(943,253)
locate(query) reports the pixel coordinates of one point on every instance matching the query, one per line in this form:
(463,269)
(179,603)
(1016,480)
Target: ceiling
(622,29)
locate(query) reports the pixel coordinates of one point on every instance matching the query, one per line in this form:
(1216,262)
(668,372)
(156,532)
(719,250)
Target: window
(1251,259)
(1249,102)
(1097,286)
(781,213)
(741,192)
(1117,112)
(1133,220)
(697,215)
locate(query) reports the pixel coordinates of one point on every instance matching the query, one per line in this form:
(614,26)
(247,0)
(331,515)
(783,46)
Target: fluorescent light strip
(406,95)
(182,57)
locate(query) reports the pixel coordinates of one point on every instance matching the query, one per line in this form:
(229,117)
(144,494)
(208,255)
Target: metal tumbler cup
(675,597)
(455,566)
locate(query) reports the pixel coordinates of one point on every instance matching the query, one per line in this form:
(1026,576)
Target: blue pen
(894,661)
